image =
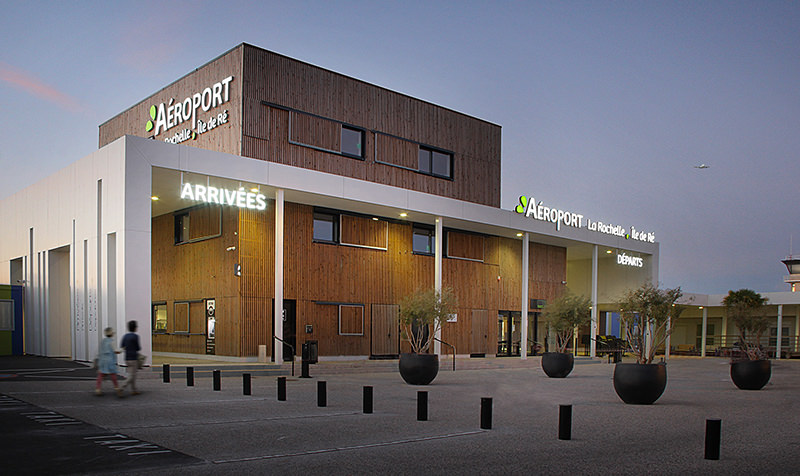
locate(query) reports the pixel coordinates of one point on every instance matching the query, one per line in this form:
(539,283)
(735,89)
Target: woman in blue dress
(107,362)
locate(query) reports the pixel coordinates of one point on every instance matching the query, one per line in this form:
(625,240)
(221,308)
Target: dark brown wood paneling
(362,231)
(385,340)
(479,339)
(465,245)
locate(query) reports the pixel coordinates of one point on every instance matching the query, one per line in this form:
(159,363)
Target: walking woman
(107,363)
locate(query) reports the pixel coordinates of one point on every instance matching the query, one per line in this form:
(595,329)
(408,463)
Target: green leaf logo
(149,126)
(523,204)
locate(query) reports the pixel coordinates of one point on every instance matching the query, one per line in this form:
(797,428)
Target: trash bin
(310,352)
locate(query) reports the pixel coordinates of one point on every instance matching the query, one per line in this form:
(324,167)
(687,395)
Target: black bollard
(422,405)
(281,389)
(217,382)
(246,384)
(304,370)
(367,399)
(713,431)
(165,373)
(322,394)
(486,413)
(565,422)
(190,376)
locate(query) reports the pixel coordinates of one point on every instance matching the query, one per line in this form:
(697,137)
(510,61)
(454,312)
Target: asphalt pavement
(56,425)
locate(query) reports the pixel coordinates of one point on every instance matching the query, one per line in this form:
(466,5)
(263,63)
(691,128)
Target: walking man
(130,342)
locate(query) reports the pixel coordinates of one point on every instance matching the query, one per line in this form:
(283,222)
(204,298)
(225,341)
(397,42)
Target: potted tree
(751,368)
(563,315)
(420,318)
(648,315)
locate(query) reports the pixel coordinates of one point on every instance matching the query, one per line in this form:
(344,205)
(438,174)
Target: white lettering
(186,192)
(172,113)
(261,202)
(239,198)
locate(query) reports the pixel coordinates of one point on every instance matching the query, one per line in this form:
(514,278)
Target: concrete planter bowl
(419,369)
(640,384)
(751,374)
(557,364)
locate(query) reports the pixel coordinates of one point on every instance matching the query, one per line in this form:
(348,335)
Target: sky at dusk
(605,107)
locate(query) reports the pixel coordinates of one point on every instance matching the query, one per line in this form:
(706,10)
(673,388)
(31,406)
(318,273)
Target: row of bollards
(712,436)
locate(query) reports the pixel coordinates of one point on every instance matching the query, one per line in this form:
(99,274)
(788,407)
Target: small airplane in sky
(701,166)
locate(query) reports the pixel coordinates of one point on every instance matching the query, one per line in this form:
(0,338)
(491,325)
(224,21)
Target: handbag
(140,360)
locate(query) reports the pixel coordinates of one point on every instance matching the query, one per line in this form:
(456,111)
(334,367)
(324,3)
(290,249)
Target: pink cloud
(35,87)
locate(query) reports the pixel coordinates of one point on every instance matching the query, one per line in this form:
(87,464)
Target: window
(351,319)
(6,315)
(326,227)
(160,317)
(423,241)
(773,337)
(352,142)
(435,162)
(181,228)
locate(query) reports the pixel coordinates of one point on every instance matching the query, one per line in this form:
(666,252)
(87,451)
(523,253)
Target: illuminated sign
(628,260)
(165,116)
(538,211)
(237,198)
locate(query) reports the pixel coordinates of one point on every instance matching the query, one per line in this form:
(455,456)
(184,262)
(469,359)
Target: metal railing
(288,345)
(452,347)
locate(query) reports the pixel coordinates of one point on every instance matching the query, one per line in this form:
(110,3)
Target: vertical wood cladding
(401,124)
(339,290)
(192,272)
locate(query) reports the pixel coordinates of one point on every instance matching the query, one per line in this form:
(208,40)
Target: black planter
(751,374)
(419,369)
(557,365)
(640,384)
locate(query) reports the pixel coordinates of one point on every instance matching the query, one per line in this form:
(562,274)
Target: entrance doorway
(289,328)
(385,331)
(509,333)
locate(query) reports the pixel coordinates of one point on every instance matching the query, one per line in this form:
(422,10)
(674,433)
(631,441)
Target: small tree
(747,309)
(649,314)
(564,314)
(422,314)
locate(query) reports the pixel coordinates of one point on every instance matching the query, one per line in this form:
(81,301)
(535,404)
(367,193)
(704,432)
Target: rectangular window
(352,142)
(160,317)
(435,162)
(181,228)
(423,241)
(326,227)
(773,337)
(6,315)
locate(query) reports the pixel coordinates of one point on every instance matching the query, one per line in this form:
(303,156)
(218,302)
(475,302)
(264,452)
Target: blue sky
(605,106)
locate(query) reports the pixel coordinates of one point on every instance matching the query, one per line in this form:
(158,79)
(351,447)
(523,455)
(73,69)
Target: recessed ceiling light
(375,218)
(608,252)
(404,214)
(519,234)
(154,198)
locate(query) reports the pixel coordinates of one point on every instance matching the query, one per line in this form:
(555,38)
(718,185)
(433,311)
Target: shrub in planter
(563,315)
(421,316)
(750,366)
(648,315)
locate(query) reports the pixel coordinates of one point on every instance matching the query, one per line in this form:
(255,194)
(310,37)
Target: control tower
(793,265)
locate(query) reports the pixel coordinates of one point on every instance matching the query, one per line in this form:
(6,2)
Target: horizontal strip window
(465,245)
(350,230)
(336,137)
(415,156)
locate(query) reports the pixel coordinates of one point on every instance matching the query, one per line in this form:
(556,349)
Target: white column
(277,346)
(797,328)
(703,328)
(437,279)
(593,327)
(668,341)
(780,329)
(523,349)
(724,340)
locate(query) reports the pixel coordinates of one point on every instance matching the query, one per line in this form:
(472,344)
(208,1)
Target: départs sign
(167,115)
(538,211)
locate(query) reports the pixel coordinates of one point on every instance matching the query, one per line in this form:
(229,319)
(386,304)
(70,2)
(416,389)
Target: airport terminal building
(259,202)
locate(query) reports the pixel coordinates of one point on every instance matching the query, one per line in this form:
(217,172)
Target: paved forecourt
(225,431)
